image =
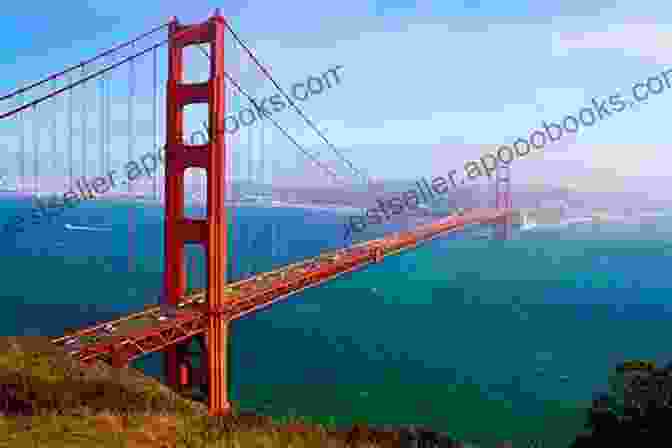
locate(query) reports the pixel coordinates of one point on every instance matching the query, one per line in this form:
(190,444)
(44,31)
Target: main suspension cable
(314,158)
(81,81)
(298,110)
(83,63)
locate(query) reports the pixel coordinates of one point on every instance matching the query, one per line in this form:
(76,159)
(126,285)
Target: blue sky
(426,85)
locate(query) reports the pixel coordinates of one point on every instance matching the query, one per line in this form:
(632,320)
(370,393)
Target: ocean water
(488,340)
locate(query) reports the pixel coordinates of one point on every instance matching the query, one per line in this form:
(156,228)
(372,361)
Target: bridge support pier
(174,358)
(211,381)
(503,228)
(217,365)
(118,360)
(379,254)
(186,374)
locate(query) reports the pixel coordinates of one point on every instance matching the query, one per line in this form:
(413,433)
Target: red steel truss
(256,293)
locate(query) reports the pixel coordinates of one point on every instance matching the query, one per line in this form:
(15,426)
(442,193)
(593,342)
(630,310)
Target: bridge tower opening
(503,201)
(210,232)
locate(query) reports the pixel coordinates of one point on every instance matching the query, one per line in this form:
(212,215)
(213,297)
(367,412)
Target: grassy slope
(65,405)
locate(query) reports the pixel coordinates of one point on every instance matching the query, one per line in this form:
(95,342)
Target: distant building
(550,215)
(552,204)
(600,214)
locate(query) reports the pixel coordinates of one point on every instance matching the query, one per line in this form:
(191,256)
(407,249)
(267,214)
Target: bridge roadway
(123,340)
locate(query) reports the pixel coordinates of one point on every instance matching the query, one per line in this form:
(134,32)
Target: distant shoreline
(149,200)
(146,199)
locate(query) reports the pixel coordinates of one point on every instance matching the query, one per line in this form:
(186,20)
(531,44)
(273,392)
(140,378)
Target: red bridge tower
(503,201)
(211,232)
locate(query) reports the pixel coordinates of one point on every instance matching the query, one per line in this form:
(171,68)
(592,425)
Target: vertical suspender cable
(274,251)
(250,162)
(22,144)
(54,149)
(261,173)
(70,136)
(36,151)
(108,127)
(84,126)
(101,140)
(253,247)
(271,170)
(242,249)
(101,131)
(162,163)
(131,97)
(155,143)
(131,141)
(250,179)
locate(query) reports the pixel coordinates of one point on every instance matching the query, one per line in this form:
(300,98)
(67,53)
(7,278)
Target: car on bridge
(167,312)
(72,345)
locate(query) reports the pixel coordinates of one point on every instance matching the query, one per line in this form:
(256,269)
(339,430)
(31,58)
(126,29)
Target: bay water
(487,340)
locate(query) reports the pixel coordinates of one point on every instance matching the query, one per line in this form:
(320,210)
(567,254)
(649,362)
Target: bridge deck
(128,338)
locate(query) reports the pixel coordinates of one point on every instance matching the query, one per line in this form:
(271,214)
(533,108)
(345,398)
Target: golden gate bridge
(199,315)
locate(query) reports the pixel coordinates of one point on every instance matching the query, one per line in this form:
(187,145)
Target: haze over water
(487,340)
